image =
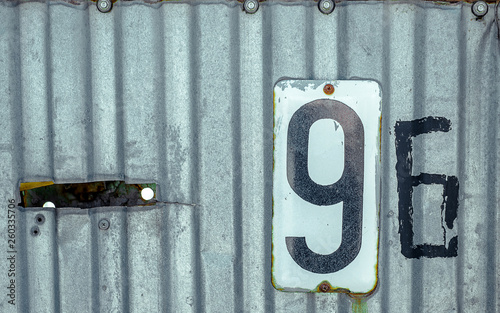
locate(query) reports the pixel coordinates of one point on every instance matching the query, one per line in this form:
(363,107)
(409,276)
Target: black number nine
(349,188)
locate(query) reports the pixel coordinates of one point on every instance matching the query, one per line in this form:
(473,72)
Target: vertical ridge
(343,43)
(50,122)
(120,119)
(50,106)
(344,303)
(237,161)
(419,64)
(195,190)
(309,42)
(162,170)
(16,111)
(125,257)
(492,179)
(22,254)
(120,153)
(311,302)
(461,153)
(89,102)
(383,271)
(160,126)
(55,253)
(95,262)
(267,138)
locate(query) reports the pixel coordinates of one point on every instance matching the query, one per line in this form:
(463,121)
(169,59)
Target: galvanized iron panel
(181,94)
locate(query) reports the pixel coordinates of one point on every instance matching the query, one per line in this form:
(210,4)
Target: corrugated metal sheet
(181,94)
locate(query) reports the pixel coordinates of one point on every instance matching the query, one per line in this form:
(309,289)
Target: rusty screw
(104,6)
(480,8)
(328,89)
(324,287)
(104,224)
(251,6)
(326,6)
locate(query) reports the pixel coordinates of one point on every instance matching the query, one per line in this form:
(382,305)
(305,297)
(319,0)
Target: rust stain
(326,287)
(359,304)
(272,230)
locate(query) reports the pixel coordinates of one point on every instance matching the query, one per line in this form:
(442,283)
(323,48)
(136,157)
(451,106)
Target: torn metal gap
(86,195)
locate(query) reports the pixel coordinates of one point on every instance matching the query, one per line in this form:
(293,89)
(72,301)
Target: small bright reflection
(49,204)
(147,193)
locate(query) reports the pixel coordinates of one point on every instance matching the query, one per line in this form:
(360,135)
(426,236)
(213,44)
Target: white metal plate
(326,185)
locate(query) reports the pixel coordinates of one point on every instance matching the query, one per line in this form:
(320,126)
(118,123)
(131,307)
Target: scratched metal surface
(181,95)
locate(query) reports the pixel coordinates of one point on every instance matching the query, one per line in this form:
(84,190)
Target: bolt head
(104,224)
(104,6)
(479,8)
(324,287)
(251,6)
(326,6)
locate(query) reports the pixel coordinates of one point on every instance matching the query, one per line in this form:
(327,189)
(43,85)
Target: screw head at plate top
(251,6)
(324,287)
(104,224)
(326,6)
(479,8)
(104,6)
(328,89)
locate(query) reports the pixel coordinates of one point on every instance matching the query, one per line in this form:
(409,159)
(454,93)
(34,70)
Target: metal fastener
(328,89)
(104,224)
(324,287)
(104,6)
(251,6)
(39,219)
(326,6)
(479,8)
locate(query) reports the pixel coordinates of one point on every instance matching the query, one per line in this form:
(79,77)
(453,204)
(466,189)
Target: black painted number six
(348,189)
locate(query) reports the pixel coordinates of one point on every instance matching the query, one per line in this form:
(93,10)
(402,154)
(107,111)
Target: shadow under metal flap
(87,195)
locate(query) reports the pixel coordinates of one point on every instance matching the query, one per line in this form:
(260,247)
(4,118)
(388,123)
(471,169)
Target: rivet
(104,224)
(104,6)
(251,6)
(326,6)
(479,8)
(324,287)
(328,89)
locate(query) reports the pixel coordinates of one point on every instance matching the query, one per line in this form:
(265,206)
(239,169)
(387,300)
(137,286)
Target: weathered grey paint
(181,94)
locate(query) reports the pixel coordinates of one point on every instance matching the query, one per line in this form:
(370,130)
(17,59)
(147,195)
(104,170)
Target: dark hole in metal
(39,219)
(35,231)
(86,195)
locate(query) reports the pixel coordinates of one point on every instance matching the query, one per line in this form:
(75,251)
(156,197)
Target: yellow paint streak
(33,185)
